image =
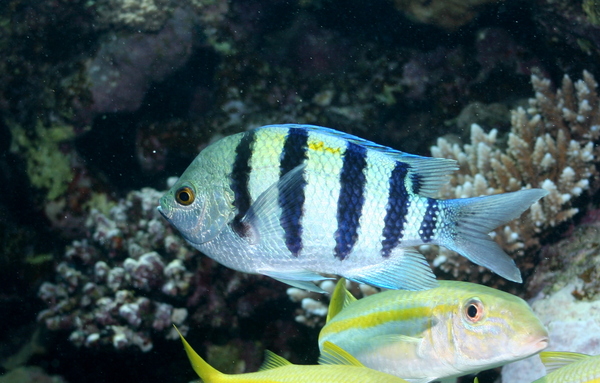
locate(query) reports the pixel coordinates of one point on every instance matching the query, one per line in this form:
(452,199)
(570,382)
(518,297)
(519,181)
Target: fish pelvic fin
(475,217)
(553,360)
(335,355)
(204,370)
(340,299)
(405,269)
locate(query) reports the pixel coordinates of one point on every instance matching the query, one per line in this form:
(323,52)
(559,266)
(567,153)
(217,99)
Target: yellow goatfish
(337,366)
(570,367)
(455,329)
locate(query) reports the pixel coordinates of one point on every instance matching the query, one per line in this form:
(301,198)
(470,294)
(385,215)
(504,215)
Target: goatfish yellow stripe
(448,331)
(570,367)
(336,366)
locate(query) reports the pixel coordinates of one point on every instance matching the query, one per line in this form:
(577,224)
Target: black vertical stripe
(396,209)
(351,199)
(428,224)
(292,203)
(417,182)
(240,174)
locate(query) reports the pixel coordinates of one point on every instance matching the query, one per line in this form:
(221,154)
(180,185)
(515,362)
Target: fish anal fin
(405,269)
(332,354)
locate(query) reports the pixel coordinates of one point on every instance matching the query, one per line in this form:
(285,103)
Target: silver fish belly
(297,201)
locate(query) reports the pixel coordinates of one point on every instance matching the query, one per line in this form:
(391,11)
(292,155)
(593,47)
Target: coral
(48,167)
(443,13)
(113,287)
(550,146)
(125,66)
(131,277)
(139,16)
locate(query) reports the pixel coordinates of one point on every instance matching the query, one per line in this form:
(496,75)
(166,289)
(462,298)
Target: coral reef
(133,277)
(550,146)
(100,283)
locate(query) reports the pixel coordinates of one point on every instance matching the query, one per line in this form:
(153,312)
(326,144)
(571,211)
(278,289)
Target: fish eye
(184,196)
(474,310)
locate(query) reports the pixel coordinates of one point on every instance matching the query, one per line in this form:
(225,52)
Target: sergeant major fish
(455,329)
(338,366)
(296,201)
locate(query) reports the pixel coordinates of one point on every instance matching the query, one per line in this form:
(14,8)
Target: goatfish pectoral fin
(553,360)
(340,299)
(301,279)
(335,355)
(476,217)
(204,370)
(405,269)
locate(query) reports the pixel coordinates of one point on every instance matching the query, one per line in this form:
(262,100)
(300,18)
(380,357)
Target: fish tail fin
(476,217)
(205,371)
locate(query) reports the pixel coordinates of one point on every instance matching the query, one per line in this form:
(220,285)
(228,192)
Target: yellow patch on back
(319,146)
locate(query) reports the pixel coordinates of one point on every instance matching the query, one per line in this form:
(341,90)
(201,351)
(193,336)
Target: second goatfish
(570,367)
(297,201)
(455,329)
(338,367)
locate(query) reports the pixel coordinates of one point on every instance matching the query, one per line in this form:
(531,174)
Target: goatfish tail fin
(205,371)
(475,217)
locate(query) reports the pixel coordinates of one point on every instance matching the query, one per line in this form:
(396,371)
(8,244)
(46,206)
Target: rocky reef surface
(103,101)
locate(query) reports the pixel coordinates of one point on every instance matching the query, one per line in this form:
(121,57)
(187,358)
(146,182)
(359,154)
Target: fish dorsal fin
(273,360)
(335,355)
(427,174)
(554,360)
(340,299)
(276,207)
(202,368)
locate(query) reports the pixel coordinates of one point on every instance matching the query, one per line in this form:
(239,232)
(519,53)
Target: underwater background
(103,102)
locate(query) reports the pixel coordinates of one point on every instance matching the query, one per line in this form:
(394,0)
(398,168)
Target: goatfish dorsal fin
(553,360)
(203,369)
(273,360)
(340,298)
(335,355)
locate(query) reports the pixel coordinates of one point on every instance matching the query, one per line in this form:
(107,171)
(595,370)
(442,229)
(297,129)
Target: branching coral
(550,146)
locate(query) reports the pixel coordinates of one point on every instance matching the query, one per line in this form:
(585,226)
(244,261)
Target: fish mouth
(165,212)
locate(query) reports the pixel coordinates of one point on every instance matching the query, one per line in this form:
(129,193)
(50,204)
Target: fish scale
(297,201)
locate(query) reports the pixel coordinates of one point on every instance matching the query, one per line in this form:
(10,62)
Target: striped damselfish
(297,201)
(455,329)
(337,366)
(570,367)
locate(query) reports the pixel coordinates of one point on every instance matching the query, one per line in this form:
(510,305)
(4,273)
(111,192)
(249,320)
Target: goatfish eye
(474,310)
(185,196)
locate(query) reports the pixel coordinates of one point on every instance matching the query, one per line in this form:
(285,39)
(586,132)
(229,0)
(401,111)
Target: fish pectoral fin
(405,269)
(302,279)
(554,360)
(340,299)
(273,360)
(335,355)
(275,208)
